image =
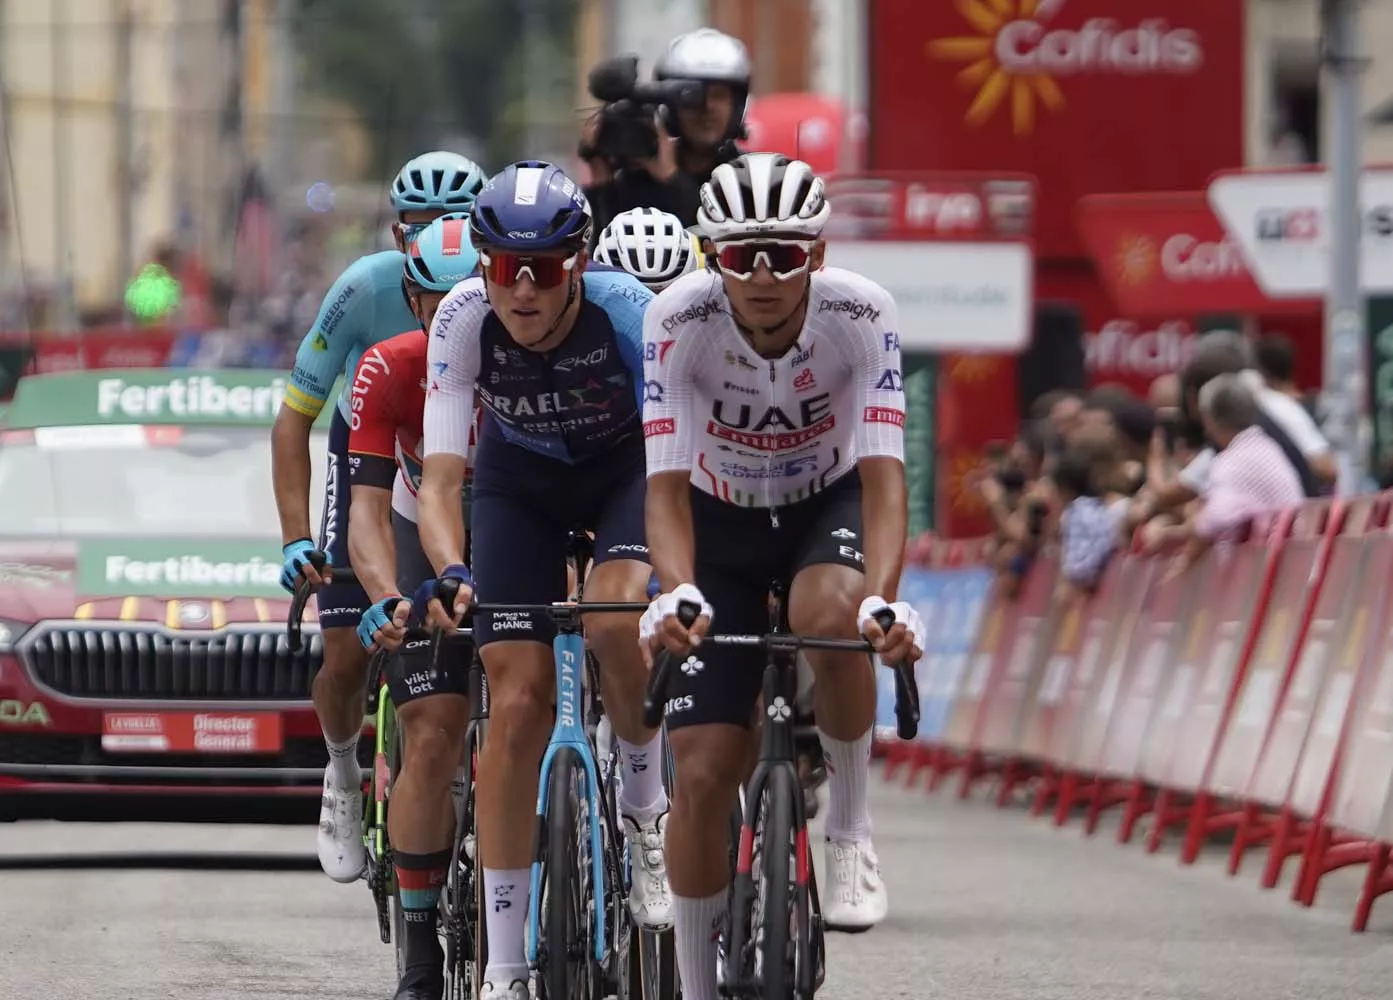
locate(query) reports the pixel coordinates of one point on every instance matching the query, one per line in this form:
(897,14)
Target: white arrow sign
(1282,223)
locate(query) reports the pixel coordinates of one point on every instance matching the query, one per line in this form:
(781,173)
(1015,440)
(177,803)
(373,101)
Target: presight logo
(1136,259)
(1018,52)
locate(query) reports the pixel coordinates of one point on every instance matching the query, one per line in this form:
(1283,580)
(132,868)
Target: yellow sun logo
(970,368)
(963,472)
(1136,259)
(994,82)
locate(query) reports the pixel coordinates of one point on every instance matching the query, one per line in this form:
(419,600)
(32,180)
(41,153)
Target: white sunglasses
(784,258)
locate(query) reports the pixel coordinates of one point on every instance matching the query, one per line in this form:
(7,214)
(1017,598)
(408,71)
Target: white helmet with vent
(649,244)
(762,193)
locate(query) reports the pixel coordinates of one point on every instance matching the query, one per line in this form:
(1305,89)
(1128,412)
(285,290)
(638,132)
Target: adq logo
(1017,51)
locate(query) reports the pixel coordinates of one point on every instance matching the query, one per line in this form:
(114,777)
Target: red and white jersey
(765,433)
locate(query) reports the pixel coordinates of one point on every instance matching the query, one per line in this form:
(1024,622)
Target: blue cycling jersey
(571,403)
(365,306)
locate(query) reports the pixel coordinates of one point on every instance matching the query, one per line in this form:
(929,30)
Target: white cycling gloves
(666,604)
(904,614)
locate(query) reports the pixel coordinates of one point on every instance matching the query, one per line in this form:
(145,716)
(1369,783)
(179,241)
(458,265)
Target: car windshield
(129,480)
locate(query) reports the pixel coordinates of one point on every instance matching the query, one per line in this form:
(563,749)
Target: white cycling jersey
(765,433)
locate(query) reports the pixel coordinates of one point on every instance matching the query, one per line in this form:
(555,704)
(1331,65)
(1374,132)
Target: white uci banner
(951,296)
(1281,221)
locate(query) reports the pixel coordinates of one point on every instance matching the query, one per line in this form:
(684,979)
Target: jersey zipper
(769,462)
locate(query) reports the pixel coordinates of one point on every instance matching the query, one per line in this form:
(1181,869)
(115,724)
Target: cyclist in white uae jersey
(773,418)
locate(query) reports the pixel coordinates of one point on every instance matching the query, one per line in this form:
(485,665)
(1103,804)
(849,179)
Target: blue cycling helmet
(441,256)
(531,206)
(437,181)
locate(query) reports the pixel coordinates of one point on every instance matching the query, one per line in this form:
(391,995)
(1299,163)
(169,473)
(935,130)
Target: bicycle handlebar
(906,689)
(300,599)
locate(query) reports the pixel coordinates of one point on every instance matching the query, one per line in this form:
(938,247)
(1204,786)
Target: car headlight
(9,634)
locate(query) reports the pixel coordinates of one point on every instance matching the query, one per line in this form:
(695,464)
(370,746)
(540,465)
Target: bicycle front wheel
(565,955)
(774,917)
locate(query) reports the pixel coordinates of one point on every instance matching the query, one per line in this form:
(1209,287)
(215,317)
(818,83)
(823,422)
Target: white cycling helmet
(649,244)
(762,193)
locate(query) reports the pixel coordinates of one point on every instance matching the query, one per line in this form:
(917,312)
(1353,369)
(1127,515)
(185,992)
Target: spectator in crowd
(1276,361)
(1057,412)
(1250,473)
(1088,527)
(1017,502)
(1282,418)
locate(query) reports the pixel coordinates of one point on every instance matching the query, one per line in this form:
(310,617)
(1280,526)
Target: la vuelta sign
(1163,255)
(1087,95)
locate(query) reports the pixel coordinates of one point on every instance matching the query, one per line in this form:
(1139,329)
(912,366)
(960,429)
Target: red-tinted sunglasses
(503,268)
(784,258)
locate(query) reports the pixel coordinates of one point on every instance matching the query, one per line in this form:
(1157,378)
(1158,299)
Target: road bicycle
(580,936)
(461,924)
(773,940)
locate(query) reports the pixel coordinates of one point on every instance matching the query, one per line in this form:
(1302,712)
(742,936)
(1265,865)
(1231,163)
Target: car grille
(144,662)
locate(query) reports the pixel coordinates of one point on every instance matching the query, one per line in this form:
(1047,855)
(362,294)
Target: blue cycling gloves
(378,615)
(296,554)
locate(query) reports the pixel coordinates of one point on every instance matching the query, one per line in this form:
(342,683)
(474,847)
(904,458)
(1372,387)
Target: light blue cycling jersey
(364,307)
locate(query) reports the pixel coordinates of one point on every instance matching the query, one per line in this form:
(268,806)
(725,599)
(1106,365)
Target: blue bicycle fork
(568,649)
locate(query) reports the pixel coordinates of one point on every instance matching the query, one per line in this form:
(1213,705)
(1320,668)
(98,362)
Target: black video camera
(628,132)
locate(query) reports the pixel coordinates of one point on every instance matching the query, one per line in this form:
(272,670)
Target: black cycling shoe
(419,991)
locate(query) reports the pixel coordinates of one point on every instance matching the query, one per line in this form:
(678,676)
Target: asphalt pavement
(985,904)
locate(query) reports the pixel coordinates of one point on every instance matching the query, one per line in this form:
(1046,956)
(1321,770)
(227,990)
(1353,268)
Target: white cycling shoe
(516,990)
(650,898)
(855,898)
(341,851)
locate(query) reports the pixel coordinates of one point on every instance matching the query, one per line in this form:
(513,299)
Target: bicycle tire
(774,840)
(398,916)
(652,971)
(462,914)
(565,953)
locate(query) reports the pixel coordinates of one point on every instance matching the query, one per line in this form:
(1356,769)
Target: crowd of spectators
(1227,438)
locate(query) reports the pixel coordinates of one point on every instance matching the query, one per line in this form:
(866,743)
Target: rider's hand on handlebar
(297,564)
(903,642)
(433,593)
(660,629)
(383,625)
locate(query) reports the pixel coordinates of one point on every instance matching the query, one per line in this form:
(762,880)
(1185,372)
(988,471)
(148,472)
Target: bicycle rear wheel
(568,967)
(462,923)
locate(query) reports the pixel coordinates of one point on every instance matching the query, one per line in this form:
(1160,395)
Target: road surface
(985,905)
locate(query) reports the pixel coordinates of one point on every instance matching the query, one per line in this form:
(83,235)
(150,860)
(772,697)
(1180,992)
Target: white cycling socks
(696,924)
(641,794)
(505,921)
(344,772)
(848,773)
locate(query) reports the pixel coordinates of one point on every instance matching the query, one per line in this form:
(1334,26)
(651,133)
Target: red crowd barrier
(1249,695)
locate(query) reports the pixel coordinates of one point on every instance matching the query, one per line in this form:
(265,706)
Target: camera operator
(654,145)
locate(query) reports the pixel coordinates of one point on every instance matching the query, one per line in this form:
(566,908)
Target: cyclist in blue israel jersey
(553,354)
(366,305)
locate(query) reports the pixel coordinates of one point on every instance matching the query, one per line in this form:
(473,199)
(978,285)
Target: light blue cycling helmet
(438,181)
(442,255)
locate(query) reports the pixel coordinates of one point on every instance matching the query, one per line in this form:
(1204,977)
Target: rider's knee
(709,766)
(343,653)
(832,615)
(607,632)
(520,712)
(432,730)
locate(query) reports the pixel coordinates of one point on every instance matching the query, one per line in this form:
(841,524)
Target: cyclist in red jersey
(387,399)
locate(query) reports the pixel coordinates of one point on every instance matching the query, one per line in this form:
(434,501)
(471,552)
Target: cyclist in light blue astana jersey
(366,305)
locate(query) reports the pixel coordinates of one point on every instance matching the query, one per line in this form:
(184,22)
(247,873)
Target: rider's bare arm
(290,472)
(668,526)
(371,549)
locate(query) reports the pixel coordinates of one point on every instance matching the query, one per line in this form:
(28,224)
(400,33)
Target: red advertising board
(1167,254)
(1090,96)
